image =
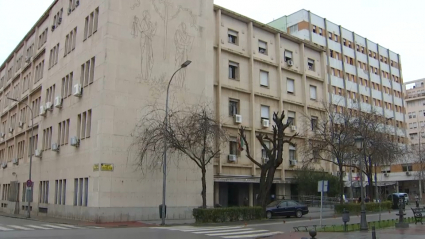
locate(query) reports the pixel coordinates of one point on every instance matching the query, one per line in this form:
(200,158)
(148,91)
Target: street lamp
(164,164)
(31,149)
(360,145)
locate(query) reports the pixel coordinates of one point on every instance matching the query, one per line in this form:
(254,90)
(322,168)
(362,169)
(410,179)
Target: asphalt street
(22,228)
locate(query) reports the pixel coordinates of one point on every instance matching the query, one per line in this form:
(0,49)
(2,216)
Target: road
(22,228)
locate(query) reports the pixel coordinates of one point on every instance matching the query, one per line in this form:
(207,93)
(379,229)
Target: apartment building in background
(361,75)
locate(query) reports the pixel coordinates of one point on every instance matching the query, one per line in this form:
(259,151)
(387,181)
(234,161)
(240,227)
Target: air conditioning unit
(10,130)
(21,124)
(15,161)
(292,162)
(290,62)
(77,3)
(409,173)
(49,106)
(42,111)
(55,147)
(265,123)
(232,158)
(69,11)
(38,153)
(2,134)
(3,165)
(77,90)
(58,102)
(59,20)
(386,174)
(238,118)
(53,28)
(27,59)
(293,128)
(75,141)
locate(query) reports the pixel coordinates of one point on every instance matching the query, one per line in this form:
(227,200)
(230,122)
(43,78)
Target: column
(216,193)
(251,195)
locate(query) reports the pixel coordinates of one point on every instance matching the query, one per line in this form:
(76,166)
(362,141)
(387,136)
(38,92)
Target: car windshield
(273,204)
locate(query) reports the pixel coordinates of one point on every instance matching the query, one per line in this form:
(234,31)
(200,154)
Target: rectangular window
(292,153)
(291,118)
(60,191)
(313,92)
(63,132)
(265,112)
(262,47)
(233,146)
(81,186)
(233,36)
(47,138)
(314,122)
(87,72)
(233,107)
(84,125)
(264,78)
(310,63)
(86,28)
(287,55)
(96,19)
(293,28)
(290,85)
(91,21)
(407,167)
(264,155)
(44,192)
(233,70)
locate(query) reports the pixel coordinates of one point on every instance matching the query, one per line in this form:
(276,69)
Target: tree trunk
(267,186)
(204,188)
(261,194)
(341,186)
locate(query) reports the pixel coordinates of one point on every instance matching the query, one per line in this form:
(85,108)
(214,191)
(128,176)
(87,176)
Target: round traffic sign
(29,183)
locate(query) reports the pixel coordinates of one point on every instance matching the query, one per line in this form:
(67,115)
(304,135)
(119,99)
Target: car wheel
(269,215)
(299,214)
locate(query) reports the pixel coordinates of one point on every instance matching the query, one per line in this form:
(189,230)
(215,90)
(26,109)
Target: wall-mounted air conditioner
(58,102)
(77,90)
(265,123)
(232,158)
(75,141)
(55,147)
(38,153)
(238,119)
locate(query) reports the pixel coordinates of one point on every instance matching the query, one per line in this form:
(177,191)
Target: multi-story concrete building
(361,74)
(87,69)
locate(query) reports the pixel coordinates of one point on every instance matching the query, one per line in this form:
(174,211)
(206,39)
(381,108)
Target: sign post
(322,187)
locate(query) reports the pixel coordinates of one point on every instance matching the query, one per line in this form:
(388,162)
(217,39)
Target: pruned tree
(331,139)
(274,152)
(193,133)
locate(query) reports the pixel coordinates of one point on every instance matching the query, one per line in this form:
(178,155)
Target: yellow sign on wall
(106,167)
(95,167)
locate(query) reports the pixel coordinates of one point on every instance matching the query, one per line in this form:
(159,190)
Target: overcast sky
(394,24)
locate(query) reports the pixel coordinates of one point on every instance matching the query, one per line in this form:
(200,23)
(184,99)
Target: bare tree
(274,152)
(331,140)
(193,133)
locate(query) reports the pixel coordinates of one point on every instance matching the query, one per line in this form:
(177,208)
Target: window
(407,167)
(330,35)
(233,146)
(290,86)
(233,70)
(10,152)
(262,47)
(310,64)
(5,192)
(39,71)
(87,72)
(264,78)
(313,92)
(21,148)
(81,190)
(233,107)
(25,82)
(72,5)
(63,132)
(91,24)
(43,192)
(291,118)
(54,55)
(293,28)
(47,138)
(233,37)
(23,114)
(314,29)
(84,125)
(287,55)
(50,94)
(320,31)
(314,122)
(70,41)
(36,106)
(60,191)
(265,112)
(42,38)
(386,169)
(292,153)
(264,155)
(67,85)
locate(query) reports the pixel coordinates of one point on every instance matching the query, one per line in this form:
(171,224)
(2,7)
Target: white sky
(394,24)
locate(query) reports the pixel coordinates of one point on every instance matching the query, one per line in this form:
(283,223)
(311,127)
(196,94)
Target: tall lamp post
(164,164)
(31,149)
(360,145)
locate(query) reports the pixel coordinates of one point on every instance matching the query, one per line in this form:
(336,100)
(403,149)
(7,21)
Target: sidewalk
(413,232)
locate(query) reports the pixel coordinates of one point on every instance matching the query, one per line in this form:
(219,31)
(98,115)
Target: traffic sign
(29,183)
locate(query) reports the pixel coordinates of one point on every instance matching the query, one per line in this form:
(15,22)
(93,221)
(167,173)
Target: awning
(356,184)
(243,180)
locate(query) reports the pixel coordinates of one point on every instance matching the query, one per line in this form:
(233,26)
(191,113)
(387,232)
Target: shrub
(356,207)
(230,214)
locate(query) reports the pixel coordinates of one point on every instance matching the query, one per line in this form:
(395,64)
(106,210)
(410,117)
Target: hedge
(356,207)
(230,214)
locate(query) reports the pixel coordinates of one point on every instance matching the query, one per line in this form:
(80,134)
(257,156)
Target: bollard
(313,234)
(373,232)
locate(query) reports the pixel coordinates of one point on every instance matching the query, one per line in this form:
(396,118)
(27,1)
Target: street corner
(120,224)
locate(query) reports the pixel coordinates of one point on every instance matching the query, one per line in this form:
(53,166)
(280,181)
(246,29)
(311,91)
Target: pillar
(216,193)
(251,195)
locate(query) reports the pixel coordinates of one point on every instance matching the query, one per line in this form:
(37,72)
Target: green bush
(356,208)
(230,214)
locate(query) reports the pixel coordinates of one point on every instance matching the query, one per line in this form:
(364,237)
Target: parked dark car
(286,208)
(395,198)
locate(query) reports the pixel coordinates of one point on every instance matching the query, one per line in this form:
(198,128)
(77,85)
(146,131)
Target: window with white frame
(233,36)
(291,118)
(233,146)
(262,47)
(287,55)
(264,78)
(292,153)
(265,112)
(386,169)
(290,86)
(313,92)
(264,155)
(233,70)
(233,107)
(310,63)
(314,123)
